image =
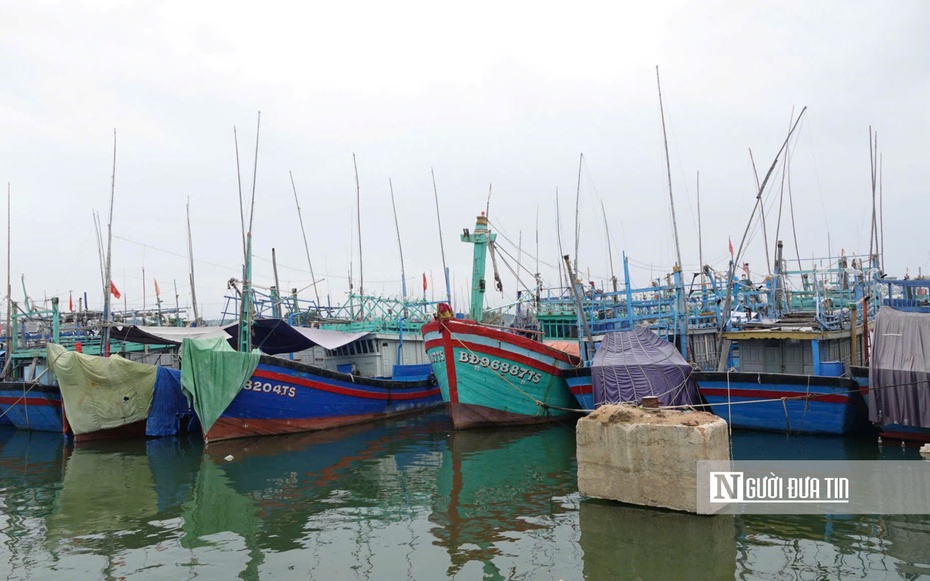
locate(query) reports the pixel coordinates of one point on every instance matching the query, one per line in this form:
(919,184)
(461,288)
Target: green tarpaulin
(101,392)
(212,373)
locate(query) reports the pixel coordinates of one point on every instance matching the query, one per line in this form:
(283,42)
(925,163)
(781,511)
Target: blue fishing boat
(270,391)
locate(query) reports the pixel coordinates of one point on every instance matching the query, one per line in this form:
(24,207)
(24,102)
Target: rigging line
(521,267)
(500,233)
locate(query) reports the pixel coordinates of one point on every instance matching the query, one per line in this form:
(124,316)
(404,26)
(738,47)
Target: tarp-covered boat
(899,375)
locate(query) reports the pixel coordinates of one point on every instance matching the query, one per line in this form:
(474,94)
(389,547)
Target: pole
(400,248)
(109,279)
(190,256)
(303,232)
(442,247)
(682,304)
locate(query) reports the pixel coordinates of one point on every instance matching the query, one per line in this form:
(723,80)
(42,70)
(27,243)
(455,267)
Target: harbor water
(406,499)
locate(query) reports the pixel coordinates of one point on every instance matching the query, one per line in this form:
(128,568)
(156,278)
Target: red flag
(731,248)
(70,303)
(114,290)
(157,290)
(424,282)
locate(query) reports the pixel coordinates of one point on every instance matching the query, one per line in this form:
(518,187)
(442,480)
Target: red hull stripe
(509,356)
(450,366)
(308,383)
(499,335)
(581,389)
(33,401)
(771,394)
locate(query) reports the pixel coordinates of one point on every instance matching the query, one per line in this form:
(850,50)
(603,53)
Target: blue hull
(285,397)
(785,403)
(579,383)
(39,409)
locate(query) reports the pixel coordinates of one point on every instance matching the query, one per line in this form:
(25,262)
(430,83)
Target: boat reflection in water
(322,502)
(502,507)
(628,542)
(403,499)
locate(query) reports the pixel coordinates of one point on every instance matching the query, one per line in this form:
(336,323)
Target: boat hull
(492,377)
(581,385)
(31,407)
(785,403)
(283,397)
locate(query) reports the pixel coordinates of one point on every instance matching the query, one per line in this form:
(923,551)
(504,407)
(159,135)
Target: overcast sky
(504,94)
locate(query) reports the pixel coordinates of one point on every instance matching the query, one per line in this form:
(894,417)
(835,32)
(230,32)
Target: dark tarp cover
(275,336)
(629,365)
(899,369)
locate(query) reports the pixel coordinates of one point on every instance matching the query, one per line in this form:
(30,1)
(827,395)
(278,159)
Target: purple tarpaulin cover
(629,365)
(899,369)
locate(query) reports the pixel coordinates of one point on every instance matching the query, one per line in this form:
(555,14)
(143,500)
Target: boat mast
(400,248)
(442,248)
(577,208)
(246,312)
(682,306)
(481,237)
(361,269)
(109,280)
(610,252)
(10,342)
(701,241)
(724,320)
(190,257)
(303,232)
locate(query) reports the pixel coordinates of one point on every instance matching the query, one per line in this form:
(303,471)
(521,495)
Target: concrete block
(647,457)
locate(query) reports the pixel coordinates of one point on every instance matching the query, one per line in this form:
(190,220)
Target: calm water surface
(406,499)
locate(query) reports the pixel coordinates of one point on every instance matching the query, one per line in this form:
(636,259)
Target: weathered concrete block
(647,458)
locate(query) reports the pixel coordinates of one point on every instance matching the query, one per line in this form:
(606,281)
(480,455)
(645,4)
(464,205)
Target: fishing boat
(787,375)
(248,391)
(239,394)
(494,375)
(30,396)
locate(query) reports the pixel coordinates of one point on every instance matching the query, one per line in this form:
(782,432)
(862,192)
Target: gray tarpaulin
(899,369)
(629,365)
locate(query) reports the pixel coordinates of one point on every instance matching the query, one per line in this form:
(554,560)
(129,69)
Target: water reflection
(500,486)
(621,541)
(405,499)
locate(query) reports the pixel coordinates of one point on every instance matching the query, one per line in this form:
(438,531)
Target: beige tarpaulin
(101,392)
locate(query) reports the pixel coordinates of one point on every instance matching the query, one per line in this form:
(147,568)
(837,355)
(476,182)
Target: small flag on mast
(730,241)
(157,290)
(114,290)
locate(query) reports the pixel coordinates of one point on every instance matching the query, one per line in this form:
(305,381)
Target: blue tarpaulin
(169,406)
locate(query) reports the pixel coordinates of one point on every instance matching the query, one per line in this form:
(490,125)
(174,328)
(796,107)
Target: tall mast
(442,247)
(9,286)
(721,361)
(303,232)
(400,248)
(361,269)
(700,236)
(190,256)
(246,314)
(480,237)
(577,207)
(668,168)
(239,184)
(109,281)
(765,234)
(610,252)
